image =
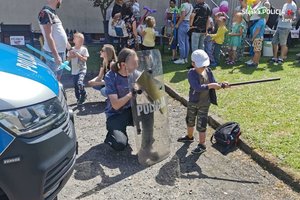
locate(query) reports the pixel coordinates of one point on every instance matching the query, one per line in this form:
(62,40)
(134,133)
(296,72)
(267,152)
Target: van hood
(24,79)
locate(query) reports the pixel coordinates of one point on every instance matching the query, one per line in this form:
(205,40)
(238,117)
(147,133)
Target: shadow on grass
(295,64)
(92,164)
(179,76)
(274,68)
(169,67)
(245,70)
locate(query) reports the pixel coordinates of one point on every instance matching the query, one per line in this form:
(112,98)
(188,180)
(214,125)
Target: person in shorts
(288,16)
(201,95)
(257,39)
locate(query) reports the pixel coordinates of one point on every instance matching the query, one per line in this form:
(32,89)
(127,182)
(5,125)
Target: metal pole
(253,82)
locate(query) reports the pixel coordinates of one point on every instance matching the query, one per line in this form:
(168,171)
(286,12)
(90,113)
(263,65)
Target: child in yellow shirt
(218,40)
(148,34)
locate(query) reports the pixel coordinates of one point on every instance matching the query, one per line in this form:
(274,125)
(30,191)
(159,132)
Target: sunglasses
(101,51)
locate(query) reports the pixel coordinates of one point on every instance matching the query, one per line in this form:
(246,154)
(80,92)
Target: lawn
(268,113)
(94,61)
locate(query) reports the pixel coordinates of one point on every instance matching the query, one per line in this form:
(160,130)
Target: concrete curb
(215,121)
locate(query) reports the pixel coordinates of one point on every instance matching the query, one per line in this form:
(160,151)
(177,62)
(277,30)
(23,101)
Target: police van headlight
(34,120)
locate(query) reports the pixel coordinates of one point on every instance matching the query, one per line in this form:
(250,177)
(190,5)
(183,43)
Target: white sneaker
(186,60)
(179,61)
(249,62)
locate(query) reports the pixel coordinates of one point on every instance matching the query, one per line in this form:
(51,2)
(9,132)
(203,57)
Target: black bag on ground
(227,136)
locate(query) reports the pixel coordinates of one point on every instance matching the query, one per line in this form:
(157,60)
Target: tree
(103,5)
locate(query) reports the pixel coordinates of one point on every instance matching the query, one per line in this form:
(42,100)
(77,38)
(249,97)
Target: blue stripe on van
(21,63)
(5,140)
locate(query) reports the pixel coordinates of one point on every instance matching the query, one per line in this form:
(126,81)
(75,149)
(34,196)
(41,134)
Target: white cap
(200,58)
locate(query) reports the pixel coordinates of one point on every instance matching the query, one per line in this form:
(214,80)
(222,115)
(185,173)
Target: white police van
(37,136)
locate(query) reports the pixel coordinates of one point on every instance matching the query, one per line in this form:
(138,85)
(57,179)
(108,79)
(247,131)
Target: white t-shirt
(188,8)
(287,23)
(136,9)
(77,64)
(49,16)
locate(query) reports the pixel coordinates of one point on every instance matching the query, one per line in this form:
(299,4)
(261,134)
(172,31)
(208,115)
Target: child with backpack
(201,95)
(78,56)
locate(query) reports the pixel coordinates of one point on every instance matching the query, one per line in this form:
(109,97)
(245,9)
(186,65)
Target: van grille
(54,177)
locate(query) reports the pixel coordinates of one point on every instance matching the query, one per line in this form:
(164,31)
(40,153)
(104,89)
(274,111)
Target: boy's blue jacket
(196,87)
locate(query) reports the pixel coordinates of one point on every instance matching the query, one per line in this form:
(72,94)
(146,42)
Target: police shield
(149,107)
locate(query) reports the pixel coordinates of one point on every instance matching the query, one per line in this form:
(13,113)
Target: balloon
(215,10)
(224,9)
(225,3)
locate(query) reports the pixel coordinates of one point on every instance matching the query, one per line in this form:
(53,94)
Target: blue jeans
(198,41)
(208,48)
(52,65)
(79,85)
(183,39)
(217,52)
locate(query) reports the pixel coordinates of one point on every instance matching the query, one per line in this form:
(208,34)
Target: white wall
(75,14)
(80,15)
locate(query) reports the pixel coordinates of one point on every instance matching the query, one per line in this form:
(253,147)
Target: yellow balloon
(250,2)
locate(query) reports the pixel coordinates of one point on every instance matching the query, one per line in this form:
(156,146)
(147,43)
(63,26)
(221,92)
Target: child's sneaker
(185,139)
(81,100)
(249,62)
(254,65)
(273,60)
(179,62)
(280,61)
(230,62)
(199,149)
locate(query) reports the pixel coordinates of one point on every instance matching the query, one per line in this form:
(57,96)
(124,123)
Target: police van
(37,136)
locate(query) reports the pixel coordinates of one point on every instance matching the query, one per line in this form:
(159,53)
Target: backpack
(273,18)
(226,136)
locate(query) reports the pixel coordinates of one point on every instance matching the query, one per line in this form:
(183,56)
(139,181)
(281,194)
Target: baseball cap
(200,58)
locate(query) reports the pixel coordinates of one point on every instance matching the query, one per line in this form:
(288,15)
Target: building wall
(75,14)
(81,16)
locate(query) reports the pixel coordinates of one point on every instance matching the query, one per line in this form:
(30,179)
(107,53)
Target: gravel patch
(102,173)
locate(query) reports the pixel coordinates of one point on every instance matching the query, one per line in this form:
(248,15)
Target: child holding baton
(201,95)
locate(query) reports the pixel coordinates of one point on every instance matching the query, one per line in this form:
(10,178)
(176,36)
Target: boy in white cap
(201,95)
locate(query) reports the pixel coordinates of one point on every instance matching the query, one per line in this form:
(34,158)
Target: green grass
(94,60)
(269,113)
